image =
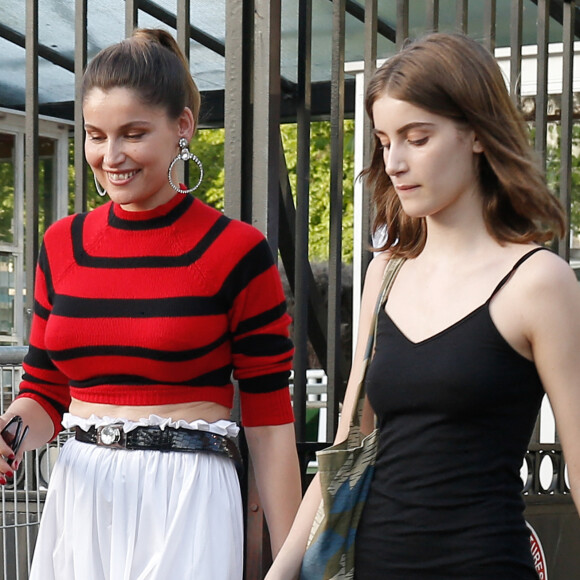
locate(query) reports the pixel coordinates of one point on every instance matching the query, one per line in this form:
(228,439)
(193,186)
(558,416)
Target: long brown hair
(456,77)
(151,63)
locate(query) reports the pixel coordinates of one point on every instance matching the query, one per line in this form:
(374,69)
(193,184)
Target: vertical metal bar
(489,15)
(4,513)
(301,292)
(335,379)
(21,314)
(541,121)
(258,556)
(31,149)
(183,26)
(402,22)
(80,59)
(370,66)
(266,130)
(516,51)
(61,171)
(237,122)
(183,29)
(567,120)
(433,15)
(461,13)
(543,26)
(131,16)
(362,196)
(234,186)
(265,24)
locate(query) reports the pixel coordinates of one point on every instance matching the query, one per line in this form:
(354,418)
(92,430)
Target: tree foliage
(319,199)
(554,166)
(209,147)
(6,202)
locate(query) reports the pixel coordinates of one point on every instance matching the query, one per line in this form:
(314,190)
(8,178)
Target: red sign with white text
(538,554)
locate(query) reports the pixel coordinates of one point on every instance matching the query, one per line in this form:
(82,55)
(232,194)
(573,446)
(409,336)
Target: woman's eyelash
(420,141)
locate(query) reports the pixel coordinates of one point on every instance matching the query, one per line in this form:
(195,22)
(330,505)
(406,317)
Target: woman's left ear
(186,124)
(477,146)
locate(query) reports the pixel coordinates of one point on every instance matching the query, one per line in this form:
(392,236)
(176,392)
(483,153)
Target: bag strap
(391,271)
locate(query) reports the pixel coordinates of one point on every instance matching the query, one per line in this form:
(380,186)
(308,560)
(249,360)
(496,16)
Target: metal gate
(255,99)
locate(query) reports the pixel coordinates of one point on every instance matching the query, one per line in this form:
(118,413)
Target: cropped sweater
(158,307)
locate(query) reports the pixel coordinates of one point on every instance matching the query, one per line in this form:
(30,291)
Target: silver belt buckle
(111,436)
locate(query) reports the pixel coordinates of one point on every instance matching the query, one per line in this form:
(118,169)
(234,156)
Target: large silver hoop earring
(102,192)
(185,155)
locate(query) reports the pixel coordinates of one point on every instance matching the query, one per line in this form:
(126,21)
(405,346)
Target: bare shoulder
(547,275)
(377,265)
(373,281)
(547,294)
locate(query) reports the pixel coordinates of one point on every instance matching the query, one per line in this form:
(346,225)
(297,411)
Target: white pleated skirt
(140,515)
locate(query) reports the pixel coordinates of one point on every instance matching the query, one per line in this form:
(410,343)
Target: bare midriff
(189,412)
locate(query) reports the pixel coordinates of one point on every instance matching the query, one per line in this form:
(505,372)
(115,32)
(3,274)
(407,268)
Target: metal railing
(23,497)
(257,186)
(544,479)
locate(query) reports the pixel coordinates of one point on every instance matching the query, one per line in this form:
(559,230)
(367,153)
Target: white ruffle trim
(221,427)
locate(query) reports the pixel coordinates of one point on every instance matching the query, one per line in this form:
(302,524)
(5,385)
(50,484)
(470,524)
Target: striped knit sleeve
(42,381)
(262,350)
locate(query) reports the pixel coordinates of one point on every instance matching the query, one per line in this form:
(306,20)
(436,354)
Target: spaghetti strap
(515,267)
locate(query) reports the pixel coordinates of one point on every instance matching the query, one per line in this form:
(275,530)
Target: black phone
(14,434)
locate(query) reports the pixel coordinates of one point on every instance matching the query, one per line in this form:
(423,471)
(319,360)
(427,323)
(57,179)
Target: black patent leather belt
(157,439)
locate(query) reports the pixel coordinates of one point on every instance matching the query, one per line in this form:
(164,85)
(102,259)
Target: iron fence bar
(265,96)
(195,33)
(335,377)
(301,264)
(238,145)
(28,522)
(432,15)
(556,12)
(489,18)
(198,35)
(16,542)
(234,186)
(402,22)
(384,29)
(317,319)
(266,100)
(543,27)
(183,26)
(80,61)
(567,121)
(461,15)
(131,16)
(183,29)
(12,355)
(362,194)
(370,66)
(4,535)
(31,154)
(516,51)
(541,112)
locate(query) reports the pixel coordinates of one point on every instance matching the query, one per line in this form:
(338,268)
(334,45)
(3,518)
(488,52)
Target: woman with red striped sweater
(146,311)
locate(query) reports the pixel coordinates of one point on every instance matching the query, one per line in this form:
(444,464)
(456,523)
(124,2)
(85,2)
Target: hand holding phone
(14,434)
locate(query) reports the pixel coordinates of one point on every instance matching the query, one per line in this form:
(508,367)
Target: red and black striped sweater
(159,307)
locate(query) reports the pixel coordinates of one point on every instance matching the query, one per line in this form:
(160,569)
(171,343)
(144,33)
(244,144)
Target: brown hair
(456,77)
(151,63)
